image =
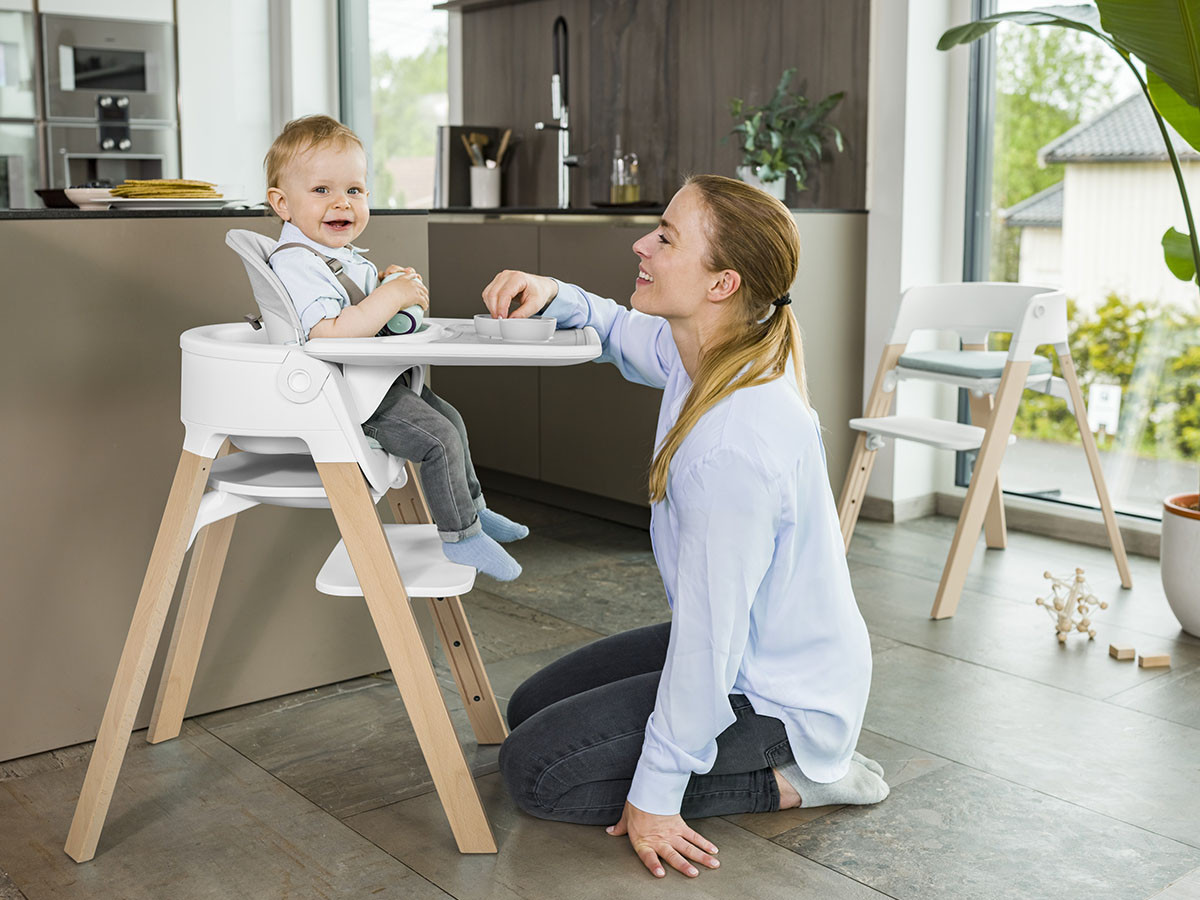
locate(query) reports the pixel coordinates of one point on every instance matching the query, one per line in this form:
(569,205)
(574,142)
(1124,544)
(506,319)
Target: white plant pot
(1179,560)
(776,188)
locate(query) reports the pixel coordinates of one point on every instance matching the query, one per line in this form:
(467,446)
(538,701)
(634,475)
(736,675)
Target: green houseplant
(786,134)
(1164,35)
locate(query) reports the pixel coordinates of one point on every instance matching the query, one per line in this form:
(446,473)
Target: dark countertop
(260,212)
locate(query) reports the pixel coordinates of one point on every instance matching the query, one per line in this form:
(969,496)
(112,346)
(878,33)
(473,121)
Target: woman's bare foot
(788,798)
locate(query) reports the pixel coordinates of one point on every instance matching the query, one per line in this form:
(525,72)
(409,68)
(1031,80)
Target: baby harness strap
(353,291)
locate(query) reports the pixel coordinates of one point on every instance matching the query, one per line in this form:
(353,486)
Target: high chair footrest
(934,432)
(423,567)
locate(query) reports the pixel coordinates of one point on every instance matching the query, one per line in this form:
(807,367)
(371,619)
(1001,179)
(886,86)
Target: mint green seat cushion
(967,363)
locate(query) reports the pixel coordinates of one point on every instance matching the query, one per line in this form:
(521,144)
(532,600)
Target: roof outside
(1044,209)
(1125,133)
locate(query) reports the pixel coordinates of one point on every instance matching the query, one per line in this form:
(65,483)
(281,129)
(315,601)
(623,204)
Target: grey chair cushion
(967,363)
(279,316)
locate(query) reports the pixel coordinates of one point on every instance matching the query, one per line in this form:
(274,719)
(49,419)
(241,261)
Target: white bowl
(536,330)
(486,326)
(89,198)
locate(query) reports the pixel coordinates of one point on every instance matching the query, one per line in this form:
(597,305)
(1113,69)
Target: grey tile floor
(1019,768)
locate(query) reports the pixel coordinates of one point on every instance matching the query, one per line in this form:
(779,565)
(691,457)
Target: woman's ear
(278,201)
(725,285)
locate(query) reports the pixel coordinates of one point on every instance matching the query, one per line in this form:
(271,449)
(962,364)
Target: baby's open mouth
(339,223)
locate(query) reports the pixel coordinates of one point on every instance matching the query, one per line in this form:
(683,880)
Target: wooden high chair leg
(995,529)
(409,507)
(402,643)
(983,481)
(166,559)
(862,460)
(191,624)
(1115,541)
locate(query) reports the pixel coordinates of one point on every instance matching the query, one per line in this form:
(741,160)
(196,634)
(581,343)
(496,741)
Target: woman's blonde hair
(755,235)
(300,136)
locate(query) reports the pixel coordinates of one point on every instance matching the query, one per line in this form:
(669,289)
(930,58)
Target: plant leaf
(1079,18)
(1183,117)
(1164,34)
(1177,249)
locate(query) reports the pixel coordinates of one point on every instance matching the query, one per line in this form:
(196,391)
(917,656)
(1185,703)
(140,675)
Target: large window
(409,99)
(1081,193)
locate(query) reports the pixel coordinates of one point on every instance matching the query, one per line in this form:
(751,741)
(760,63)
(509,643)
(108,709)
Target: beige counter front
(91,436)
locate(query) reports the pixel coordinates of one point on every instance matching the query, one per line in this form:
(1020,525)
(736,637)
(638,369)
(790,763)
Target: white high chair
(1035,316)
(296,415)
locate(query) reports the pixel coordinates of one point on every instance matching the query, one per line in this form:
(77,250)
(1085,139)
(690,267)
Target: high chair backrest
(279,316)
(1034,315)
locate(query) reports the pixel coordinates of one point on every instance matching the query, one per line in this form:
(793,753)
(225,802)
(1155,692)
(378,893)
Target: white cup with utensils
(485,187)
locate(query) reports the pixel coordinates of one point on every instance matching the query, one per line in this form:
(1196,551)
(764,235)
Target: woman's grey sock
(869,763)
(859,786)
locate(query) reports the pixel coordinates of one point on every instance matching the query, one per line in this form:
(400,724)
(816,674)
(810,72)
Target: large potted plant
(1163,35)
(786,134)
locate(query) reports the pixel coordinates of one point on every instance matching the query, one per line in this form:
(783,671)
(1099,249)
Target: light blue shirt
(751,556)
(314,290)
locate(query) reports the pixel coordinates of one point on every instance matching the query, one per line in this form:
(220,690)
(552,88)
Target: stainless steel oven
(77,154)
(87,62)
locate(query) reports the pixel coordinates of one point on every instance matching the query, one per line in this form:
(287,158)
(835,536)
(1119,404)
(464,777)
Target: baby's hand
(406,289)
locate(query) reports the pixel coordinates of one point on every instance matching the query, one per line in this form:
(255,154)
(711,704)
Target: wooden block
(1154,661)
(1121,651)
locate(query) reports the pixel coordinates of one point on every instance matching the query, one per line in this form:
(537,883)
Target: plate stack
(162,193)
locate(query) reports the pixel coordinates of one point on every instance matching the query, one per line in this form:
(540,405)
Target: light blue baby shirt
(314,290)
(751,556)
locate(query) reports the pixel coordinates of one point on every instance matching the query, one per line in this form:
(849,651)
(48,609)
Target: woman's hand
(531,294)
(668,837)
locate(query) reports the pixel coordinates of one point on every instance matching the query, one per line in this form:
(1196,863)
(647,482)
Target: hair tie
(784,300)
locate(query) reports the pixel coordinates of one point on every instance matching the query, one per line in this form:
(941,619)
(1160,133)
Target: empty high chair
(1035,317)
(297,420)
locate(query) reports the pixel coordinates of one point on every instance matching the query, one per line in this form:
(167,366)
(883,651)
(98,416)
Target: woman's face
(673,280)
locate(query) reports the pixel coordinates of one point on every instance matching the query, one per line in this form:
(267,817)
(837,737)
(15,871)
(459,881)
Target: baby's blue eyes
(325,190)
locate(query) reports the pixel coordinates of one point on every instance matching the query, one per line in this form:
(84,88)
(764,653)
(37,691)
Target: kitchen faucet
(558,111)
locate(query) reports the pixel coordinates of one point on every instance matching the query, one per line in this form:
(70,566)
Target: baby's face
(324,194)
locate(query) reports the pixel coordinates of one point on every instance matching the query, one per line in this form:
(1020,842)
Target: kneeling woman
(752,697)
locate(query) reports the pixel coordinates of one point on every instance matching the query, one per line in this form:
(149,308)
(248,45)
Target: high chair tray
(454,342)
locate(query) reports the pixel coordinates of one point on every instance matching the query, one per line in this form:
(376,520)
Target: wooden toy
(1121,651)
(1154,660)
(1069,604)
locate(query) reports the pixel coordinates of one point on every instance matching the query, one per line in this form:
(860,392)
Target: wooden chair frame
(387,600)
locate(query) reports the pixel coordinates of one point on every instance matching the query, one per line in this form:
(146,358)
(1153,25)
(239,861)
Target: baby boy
(316,183)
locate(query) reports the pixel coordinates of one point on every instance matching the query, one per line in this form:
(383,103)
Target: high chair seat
(967,363)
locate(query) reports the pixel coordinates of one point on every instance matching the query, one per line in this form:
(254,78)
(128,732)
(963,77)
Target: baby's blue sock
(500,528)
(484,554)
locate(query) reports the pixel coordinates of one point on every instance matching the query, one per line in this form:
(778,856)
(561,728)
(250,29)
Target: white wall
(916,177)
(1114,216)
(1041,256)
(238,84)
(143,10)
(224,93)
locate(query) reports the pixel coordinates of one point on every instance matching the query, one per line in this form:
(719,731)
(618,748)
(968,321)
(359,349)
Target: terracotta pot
(1179,560)
(776,188)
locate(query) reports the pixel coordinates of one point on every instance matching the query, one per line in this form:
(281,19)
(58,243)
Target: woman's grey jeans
(577,730)
(429,431)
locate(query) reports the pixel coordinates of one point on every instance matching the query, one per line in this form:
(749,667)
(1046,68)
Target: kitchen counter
(452,213)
